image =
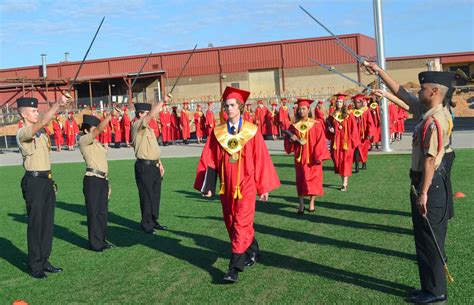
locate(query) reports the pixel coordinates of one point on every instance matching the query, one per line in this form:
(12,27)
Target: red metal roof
(237,58)
(441,56)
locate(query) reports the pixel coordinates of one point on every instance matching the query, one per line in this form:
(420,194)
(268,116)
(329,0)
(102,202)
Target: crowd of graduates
(351,126)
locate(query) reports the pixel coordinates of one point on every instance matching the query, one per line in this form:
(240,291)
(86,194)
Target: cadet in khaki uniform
(37,185)
(428,177)
(95,183)
(148,168)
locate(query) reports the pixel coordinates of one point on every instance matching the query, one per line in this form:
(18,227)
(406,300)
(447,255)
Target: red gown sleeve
(266,177)
(207,164)
(288,144)
(321,148)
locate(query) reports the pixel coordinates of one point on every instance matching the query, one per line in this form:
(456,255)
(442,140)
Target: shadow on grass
(112,217)
(287,182)
(196,195)
(129,234)
(60,232)
(203,259)
(277,208)
(13,255)
(319,240)
(281,261)
(357,208)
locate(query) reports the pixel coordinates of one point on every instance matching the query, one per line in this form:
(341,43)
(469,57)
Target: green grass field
(356,249)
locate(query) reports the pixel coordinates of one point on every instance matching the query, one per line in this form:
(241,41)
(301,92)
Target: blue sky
(29,28)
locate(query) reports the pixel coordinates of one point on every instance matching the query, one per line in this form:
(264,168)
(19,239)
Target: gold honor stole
(303,128)
(233,145)
(338,117)
(358,113)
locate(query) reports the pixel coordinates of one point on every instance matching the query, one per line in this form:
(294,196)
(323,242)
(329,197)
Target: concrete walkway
(461,139)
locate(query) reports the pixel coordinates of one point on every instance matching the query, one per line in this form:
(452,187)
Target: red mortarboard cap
(320,102)
(94,108)
(274,103)
(238,94)
(209,103)
(303,102)
(340,96)
(260,102)
(70,112)
(358,97)
(174,107)
(185,103)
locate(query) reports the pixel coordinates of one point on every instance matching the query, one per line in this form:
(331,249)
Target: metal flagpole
(379,40)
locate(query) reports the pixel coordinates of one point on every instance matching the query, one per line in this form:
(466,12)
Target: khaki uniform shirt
(34,148)
(144,141)
(420,148)
(94,153)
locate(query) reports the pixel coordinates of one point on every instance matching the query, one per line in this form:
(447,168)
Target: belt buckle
(50,176)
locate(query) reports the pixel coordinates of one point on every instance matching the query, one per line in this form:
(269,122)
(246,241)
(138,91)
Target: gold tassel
(222,189)
(345,135)
(307,147)
(237,194)
(448,275)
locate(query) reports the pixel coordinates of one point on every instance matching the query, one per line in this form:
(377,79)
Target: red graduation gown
(174,120)
(71,130)
(153,124)
(249,116)
(184,122)
(117,131)
(343,142)
(200,123)
(210,122)
(375,115)
(284,118)
(165,122)
(125,122)
(260,114)
(272,122)
(402,116)
(308,157)
(58,133)
(393,117)
(106,135)
(364,124)
(257,175)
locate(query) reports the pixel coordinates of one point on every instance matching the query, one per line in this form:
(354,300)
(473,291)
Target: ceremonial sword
(182,70)
(341,43)
(332,69)
(438,249)
(68,94)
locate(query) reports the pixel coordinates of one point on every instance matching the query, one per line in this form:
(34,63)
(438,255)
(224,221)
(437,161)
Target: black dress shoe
(364,166)
(160,227)
(427,298)
(252,260)
(40,275)
(52,269)
(415,293)
(232,276)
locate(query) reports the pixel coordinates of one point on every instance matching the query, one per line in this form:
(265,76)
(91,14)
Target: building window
(235,85)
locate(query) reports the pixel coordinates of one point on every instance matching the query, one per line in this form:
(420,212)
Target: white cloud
(17,6)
